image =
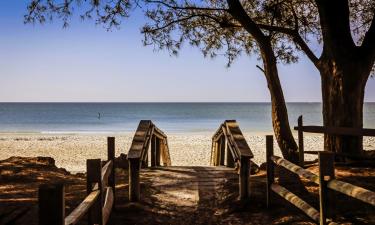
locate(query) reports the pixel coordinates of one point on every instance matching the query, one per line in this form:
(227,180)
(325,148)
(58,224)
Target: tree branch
(186,7)
(298,40)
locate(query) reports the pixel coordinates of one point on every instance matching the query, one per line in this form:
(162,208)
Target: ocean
(170,117)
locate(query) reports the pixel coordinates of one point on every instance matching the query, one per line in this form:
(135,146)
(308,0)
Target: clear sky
(86,63)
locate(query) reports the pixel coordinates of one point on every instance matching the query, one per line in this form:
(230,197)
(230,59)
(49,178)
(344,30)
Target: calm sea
(171,117)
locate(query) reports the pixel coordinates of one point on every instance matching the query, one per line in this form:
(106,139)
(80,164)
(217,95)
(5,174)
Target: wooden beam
(80,211)
(94,175)
(134,185)
(326,197)
(51,200)
(108,204)
(111,157)
(244,177)
(270,168)
(296,201)
(295,169)
(348,131)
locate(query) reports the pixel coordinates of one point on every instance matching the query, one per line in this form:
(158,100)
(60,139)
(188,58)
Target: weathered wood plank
(296,201)
(348,131)
(106,172)
(108,204)
(353,191)
(295,169)
(139,139)
(76,215)
(270,168)
(238,139)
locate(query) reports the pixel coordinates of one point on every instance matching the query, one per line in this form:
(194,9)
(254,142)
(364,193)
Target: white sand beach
(186,149)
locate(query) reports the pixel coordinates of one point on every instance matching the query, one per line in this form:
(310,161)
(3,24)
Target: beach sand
(186,149)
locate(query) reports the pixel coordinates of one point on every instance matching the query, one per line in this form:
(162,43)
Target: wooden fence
(98,203)
(146,136)
(228,142)
(337,131)
(326,181)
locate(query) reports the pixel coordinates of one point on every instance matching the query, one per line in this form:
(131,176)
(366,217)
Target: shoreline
(186,148)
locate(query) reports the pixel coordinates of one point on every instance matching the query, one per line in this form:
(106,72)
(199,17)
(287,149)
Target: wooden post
(157,151)
(94,176)
(244,178)
(51,200)
(301,148)
(230,159)
(222,150)
(134,186)
(111,156)
(153,151)
(270,168)
(326,197)
(217,152)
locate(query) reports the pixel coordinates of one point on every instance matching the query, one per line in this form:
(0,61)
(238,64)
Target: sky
(87,63)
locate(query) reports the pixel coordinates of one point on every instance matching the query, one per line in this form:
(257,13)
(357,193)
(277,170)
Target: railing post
(217,152)
(230,159)
(94,176)
(157,151)
(51,200)
(244,177)
(111,156)
(134,186)
(222,150)
(270,168)
(326,197)
(153,151)
(301,147)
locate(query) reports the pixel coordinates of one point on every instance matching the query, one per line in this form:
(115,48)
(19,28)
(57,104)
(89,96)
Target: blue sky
(87,63)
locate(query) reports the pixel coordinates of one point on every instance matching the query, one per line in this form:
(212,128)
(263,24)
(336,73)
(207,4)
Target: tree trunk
(280,121)
(343,88)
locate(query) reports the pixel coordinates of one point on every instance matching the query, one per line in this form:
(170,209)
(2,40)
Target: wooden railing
(147,135)
(228,142)
(98,203)
(326,181)
(338,131)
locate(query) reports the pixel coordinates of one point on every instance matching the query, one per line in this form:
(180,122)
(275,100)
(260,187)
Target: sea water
(170,117)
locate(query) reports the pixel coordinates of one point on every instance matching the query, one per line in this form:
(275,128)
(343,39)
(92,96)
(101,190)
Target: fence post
(111,156)
(134,186)
(157,151)
(153,151)
(51,200)
(94,176)
(230,159)
(222,151)
(270,168)
(244,177)
(301,146)
(326,197)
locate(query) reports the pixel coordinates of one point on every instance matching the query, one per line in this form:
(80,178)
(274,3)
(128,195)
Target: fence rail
(147,136)
(326,181)
(336,131)
(228,142)
(98,203)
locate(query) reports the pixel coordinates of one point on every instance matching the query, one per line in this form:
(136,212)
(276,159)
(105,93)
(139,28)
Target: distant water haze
(170,117)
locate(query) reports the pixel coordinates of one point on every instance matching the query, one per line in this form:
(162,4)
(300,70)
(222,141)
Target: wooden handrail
(100,186)
(228,140)
(146,135)
(76,215)
(348,131)
(326,169)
